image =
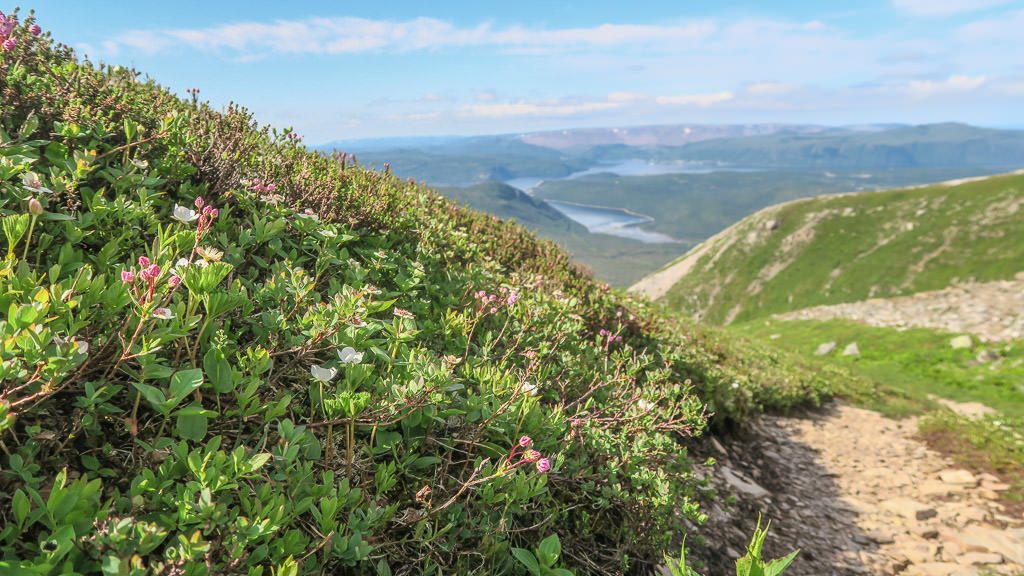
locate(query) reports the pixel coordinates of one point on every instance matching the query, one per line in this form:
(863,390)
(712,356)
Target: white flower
(644,405)
(528,388)
(143,164)
(211,254)
(328,233)
(163,313)
(32,182)
(82,346)
(348,355)
(323,374)
(184,214)
(735,385)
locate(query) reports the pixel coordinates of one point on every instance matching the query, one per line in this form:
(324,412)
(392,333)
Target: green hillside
(851,247)
(222,353)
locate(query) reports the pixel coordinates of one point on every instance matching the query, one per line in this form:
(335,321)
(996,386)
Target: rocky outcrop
(992,311)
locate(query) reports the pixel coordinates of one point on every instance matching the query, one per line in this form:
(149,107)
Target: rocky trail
(858,493)
(993,311)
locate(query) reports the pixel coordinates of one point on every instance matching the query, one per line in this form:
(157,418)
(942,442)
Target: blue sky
(343,70)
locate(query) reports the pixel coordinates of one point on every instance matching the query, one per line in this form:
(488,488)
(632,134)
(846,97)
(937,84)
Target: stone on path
(958,477)
(963,342)
(909,509)
(741,484)
(851,349)
(825,348)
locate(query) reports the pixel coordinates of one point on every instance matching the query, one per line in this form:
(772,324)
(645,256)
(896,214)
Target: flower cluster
(261,187)
(528,456)
(142,284)
(609,337)
(491,303)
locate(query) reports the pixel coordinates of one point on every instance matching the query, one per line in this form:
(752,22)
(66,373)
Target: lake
(609,220)
(614,221)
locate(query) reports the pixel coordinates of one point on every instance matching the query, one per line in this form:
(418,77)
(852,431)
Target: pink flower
(271,187)
(9,44)
(200,202)
(525,441)
(173,281)
(153,271)
(144,262)
(531,456)
(543,465)
(35,30)
(512,298)
(127,276)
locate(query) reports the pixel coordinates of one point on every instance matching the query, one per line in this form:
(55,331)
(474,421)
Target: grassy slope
(851,247)
(907,367)
(618,261)
(199,441)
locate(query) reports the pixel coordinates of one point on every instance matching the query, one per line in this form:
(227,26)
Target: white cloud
(699,100)
(626,97)
(770,88)
(946,7)
(954,84)
(347,35)
(525,109)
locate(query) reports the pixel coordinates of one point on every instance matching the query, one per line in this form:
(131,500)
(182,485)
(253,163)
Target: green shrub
(224,354)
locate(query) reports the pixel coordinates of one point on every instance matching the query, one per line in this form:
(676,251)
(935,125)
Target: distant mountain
(948,145)
(652,136)
(850,247)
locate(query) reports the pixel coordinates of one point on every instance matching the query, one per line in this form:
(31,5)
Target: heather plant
(224,354)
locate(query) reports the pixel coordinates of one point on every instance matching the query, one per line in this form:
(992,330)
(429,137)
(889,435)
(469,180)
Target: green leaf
(218,371)
(20,506)
(192,426)
(549,550)
(257,461)
(779,565)
(184,383)
(526,558)
(154,396)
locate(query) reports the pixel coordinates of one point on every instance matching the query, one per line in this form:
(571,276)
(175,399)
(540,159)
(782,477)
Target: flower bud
(543,465)
(127,276)
(144,262)
(34,207)
(35,30)
(525,441)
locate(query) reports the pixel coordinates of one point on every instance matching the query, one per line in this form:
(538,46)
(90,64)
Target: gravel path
(859,494)
(994,311)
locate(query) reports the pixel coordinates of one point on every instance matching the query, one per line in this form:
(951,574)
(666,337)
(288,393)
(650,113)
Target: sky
(347,70)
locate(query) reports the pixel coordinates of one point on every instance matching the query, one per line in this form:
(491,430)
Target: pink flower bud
(200,202)
(173,281)
(525,441)
(214,213)
(144,262)
(127,276)
(35,30)
(154,271)
(271,187)
(531,456)
(34,207)
(543,465)
(9,44)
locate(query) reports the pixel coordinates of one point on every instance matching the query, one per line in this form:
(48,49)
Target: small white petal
(322,374)
(184,214)
(163,313)
(348,355)
(529,389)
(82,346)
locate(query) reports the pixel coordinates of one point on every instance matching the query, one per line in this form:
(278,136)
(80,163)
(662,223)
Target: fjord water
(610,220)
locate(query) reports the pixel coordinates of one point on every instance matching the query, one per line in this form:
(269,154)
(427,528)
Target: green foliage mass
(177,393)
(852,247)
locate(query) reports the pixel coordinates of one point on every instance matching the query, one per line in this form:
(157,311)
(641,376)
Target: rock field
(859,494)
